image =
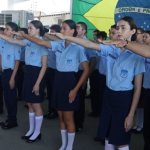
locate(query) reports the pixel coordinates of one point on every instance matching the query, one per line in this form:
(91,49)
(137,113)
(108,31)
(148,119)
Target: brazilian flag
(97,14)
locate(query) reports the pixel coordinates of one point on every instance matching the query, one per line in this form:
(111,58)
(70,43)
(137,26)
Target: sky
(46,6)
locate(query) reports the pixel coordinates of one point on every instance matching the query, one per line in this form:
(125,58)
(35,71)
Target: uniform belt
(7,70)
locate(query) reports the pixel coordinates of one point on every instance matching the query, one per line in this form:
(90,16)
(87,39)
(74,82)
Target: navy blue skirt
(115,108)
(30,77)
(64,82)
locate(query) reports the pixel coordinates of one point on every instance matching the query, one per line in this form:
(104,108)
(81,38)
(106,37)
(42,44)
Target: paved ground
(51,140)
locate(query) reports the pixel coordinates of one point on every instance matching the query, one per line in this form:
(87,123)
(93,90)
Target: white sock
(124,148)
(31,123)
(141,117)
(138,111)
(71,137)
(64,139)
(38,123)
(109,146)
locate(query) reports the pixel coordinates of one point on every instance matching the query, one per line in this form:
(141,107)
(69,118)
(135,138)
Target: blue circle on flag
(139,10)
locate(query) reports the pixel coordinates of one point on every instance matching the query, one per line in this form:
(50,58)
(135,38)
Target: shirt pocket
(9,56)
(32,55)
(71,60)
(125,72)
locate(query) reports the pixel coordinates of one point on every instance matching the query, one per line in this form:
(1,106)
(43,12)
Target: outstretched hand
(59,35)
(19,33)
(117,43)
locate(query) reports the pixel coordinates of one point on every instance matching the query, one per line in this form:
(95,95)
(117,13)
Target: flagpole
(71,3)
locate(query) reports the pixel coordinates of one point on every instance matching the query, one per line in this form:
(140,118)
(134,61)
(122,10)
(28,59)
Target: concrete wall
(54,19)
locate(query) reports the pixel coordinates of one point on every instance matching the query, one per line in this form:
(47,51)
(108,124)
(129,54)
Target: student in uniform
(21,68)
(138,127)
(146,95)
(33,86)
(65,98)
(79,115)
(9,58)
(1,90)
(119,103)
(98,81)
(50,74)
(1,96)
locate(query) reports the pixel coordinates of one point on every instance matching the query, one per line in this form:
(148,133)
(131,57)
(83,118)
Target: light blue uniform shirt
(68,58)
(89,54)
(146,79)
(51,59)
(10,53)
(34,53)
(121,68)
(101,64)
(22,54)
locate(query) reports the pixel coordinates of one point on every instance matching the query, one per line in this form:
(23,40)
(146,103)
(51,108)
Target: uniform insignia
(32,54)
(69,62)
(124,73)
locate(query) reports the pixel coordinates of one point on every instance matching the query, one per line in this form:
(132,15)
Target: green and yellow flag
(97,14)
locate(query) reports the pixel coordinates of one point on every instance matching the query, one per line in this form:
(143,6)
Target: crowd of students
(63,61)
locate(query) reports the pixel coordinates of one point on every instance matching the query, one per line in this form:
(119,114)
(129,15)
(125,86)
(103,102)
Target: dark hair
(72,25)
(25,30)
(83,25)
(141,30)
(46,30)
(102,34)
(38,25)
(132,25)
(13,26)
(2,29)
(55,27)
(96,31)
(148,32)
(114,26)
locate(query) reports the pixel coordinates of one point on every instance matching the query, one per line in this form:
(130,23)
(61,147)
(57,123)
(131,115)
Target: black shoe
(88,96)
(19,98)
(97,139)
(3,123)
(26,106)
(31,141)
(51,115)
(1,111)
(9,125)
(26,137)
(93,114)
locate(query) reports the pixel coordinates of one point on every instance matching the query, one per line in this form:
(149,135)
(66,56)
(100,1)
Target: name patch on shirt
(59,51)
(147,62)
(124,73)
(112,56)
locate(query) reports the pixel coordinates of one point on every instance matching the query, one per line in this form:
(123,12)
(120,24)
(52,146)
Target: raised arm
(85,43)
(11,40)
(34,39)
(38,41)
(141,49)
(51,37)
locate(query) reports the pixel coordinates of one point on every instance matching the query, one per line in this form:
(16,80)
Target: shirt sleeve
(26,42)
(17,52)
(44,51)
(91,53)
(139,66)
(82,54)
(54,45)
(1,45)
